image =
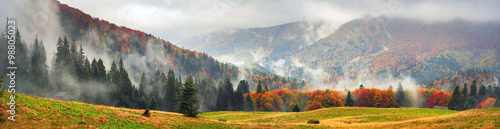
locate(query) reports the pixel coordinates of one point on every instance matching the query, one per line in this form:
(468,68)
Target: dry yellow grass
(34,112)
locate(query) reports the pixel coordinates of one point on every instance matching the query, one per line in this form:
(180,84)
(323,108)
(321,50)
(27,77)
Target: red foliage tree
(486,104)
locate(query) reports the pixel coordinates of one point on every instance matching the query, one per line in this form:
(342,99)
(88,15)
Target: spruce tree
(265,87)
(153,105)
(101,70)
(93,69)
(188,100)
(482,93)
(224,96)
(259,87)
(39,72)
(249,103)
(170,92)
(209,97)
(125,87)
(465,91)
(296,108)
(490,92)
(473,89)
(142,84)
(400,95)
(456,99)
(244,86)
(113,72)
(349,102)
(238,99)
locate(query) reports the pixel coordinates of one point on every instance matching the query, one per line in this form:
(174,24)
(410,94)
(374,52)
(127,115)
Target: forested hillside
(143,52)
(367,49)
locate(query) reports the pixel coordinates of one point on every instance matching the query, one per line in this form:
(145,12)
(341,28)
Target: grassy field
(363,117)
(34,112)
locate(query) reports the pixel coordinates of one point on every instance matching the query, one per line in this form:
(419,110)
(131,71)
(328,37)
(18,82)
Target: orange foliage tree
(438,98)
(486,104)
(264,102)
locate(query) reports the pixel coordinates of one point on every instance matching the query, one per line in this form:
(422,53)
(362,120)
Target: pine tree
(188,100)
(244,86)
(142,84)
(238,99)
(296,108)
(265,87)
(153,105)
(490,92)
(249,103)
(473,89)
(101,70)
(465,91)
(259,87)
(224,96)
(93,69)
(349,102)
(86,69)
(472,100)
(209,97)
(482,93)
(39,72)
(125,87)
(80,64)
(400,95)
(22,60)
(171,92)
(456,99)
(113,73)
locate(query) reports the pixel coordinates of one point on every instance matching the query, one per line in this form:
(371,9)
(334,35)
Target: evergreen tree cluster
(470,97)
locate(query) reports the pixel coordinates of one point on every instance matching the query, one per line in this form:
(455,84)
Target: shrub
(223,120)
(146,113)
(313,121)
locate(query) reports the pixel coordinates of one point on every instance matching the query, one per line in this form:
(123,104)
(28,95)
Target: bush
(223,120)
(146,113)
(313,121)
(296,108)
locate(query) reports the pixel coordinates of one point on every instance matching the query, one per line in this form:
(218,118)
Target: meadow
(35,112)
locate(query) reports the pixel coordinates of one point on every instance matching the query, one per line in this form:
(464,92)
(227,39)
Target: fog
(177,20)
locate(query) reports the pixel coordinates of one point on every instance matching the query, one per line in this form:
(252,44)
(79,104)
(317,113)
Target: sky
(175,20)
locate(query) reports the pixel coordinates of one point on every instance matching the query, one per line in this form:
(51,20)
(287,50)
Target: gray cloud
(175,20)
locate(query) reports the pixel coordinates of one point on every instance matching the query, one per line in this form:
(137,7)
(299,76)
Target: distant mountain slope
(426,50)
(205,40)
(143,52)
(255,44)
(365,49)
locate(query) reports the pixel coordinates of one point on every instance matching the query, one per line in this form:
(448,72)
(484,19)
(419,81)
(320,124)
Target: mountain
(203,40)
(366,49)
(255,44)
(144,52)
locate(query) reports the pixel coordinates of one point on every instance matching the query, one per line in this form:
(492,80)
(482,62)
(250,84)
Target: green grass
(34,112)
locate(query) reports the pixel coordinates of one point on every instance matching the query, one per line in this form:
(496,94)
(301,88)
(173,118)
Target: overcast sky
(175,20)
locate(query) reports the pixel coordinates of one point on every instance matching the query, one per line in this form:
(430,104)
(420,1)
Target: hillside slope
(365,49)
(34,112)
(144,52)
